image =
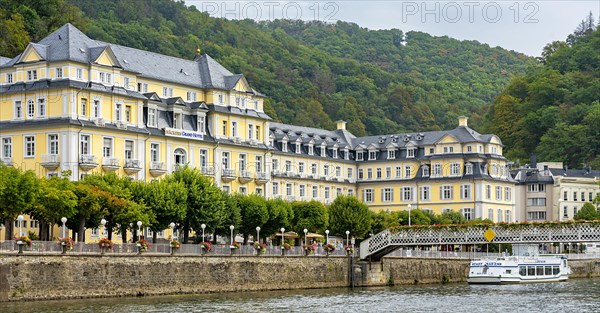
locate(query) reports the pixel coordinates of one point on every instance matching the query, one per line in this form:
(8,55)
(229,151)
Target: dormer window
(469,149)
(425,171)
(32,75)
(323,151)
(391,154)
(372,155)
(297,147)
(311,149)
(469,169)
(360,156)
(59,72)
(346,154)
(284,146)
(271,142)
(152,117)
(334,153)
(237,101)
(105,78)
(177,120)
(494,150)
(410,153)
(201,124)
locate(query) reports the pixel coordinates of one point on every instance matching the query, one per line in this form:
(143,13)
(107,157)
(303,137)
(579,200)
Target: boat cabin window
(547,270)
(539,270)
(531,271)
(555,270)
(523,270)
(508,271)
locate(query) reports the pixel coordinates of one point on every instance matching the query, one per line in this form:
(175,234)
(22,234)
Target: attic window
(394,140)
(381,140)
(419,137)
(406,138)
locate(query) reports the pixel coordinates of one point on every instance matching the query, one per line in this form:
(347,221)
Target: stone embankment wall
(63,277)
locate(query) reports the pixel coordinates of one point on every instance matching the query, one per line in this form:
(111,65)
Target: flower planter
(20,244)
(64,247)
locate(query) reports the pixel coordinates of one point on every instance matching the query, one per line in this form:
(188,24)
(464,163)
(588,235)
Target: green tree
(205,201)
(311,215)
(253,209)
(18,194)
(56,199)
(233,216)
(347,213)
(588,213)
(88,208)
(281,214)
(167,199)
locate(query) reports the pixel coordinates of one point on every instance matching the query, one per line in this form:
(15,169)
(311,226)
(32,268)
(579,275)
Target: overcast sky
(524,26)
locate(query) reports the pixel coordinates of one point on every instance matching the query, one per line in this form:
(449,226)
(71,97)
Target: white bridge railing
(388,240)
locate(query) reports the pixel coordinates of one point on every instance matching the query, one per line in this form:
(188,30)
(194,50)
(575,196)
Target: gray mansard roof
(69,44)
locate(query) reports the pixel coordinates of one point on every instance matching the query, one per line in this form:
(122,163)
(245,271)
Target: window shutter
(441,192)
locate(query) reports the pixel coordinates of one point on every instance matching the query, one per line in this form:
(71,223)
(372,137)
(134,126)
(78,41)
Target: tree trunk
(245,239)
(124,234)
(109,229)
(81,232)
(154,237)
(186,230)
(73,234)
(10,229)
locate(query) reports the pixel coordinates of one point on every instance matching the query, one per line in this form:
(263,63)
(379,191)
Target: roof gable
(31,54)
(447,138)
(106,57)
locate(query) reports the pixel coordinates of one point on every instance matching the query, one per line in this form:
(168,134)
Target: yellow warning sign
(489,235)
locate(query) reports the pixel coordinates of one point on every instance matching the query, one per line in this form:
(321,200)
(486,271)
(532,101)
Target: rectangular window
(410,153)
(29,146)
(469,169)
(468,213)
(275,188)
(152,117)
(326,170)
(398,171)
(359,156)
(574,195)
(388,172)
(465,192)
(128,113)
(59,72)
(378,173)
(275,165)
(583,197)
(391,154)
(234,129)
(96,108)
(242,162)
(167,92)
(225,160)
(118,108)
(507,193)
(455,169)
(30,109)
(18,109)
(9,78)
(334,153)
(32,75)
(406,193)
(446,192)
(79,73)
(154,156)
(323,151)
(387,195)
(84,107)
(41,107)
(177,120)
(469,149)
(315,192)
(488,192)
(298,147)
(302,192)
(301,167)
(129,150)
(536,201)
(350,173)
(369,173)
(126,82)
(107,147)
(84,142)
(201,124)
(565,196)
(258,163)
(203,157)
(7,147)
(257,132)
(368,195)
(288,190)
(407,172)
(313,169)
(425,193)
(191,96)
(338,171)
(53,144)
(498,193)
(437,169)
(327,192)
(361,173)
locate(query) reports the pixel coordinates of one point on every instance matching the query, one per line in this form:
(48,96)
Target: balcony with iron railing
(50,161)
(245,176)
(87,162)
(228,175)
(7,161)
(157,168)
(132,166)
(110,164)
(262,178)
(207,170)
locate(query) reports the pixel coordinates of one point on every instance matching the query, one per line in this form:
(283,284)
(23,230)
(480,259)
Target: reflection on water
(573,296)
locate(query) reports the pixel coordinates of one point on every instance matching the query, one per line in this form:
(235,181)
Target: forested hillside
(554,110)
(380,81)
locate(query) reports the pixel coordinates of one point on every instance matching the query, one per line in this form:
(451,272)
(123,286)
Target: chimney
(340,125)
(462,121)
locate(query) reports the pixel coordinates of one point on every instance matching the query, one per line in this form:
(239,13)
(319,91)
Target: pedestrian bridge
(381,244)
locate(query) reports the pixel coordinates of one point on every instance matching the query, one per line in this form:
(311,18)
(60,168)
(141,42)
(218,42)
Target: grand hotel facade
(72,103)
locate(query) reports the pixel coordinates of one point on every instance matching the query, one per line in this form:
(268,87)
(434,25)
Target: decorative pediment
(392,146)
(31,54)
(152,96)
(107,58)
(447,138)
(372,147)
(241,84)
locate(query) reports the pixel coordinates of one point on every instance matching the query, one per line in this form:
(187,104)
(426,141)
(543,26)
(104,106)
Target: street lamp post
(20,219)
(282,241)
(305,233)
(326,236)
(347,240)
(203,226)
(172,226)
(409,209)
(64,221)
(231,228)
(139,225)
(257,233)
(102,222)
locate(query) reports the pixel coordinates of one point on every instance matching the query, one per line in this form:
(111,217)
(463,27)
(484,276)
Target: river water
(577,295)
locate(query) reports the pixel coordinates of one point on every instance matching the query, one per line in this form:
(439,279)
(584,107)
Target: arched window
(180,156)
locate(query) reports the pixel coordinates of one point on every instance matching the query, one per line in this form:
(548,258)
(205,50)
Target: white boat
(524,268)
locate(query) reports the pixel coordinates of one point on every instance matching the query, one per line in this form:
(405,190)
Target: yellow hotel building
(72,103)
